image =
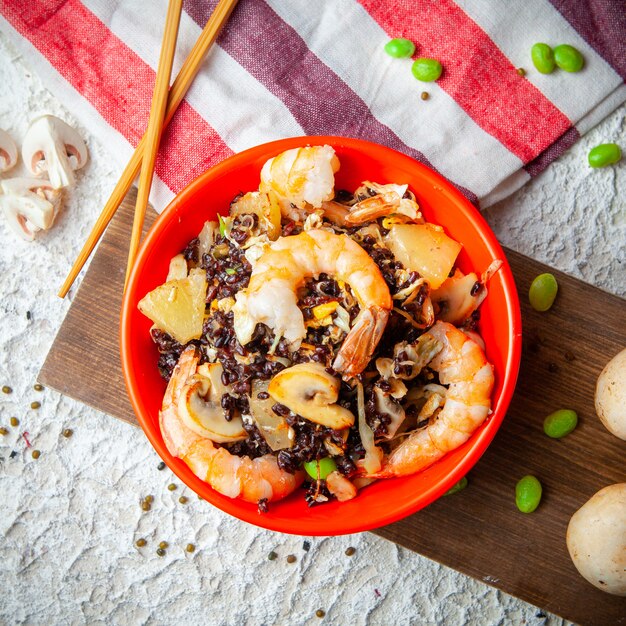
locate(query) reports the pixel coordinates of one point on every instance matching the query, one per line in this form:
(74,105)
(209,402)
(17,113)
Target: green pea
(568,58)
(400,48)
(543,58)
(542,292)
(604,154)
(457,487)
(426,70)
(527,494)
(320,469)
(560,423)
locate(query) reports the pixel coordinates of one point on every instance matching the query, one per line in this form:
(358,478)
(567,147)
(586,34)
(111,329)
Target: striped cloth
(292,67)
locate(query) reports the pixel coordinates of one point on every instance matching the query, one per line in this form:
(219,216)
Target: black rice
(228,272)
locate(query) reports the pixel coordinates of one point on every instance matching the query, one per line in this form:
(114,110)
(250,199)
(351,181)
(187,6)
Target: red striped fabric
(100,66)
(603,24)
(499,100)
(509,123)
(278,57)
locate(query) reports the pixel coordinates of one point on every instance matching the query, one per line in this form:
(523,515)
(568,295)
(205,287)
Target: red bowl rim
(511,368)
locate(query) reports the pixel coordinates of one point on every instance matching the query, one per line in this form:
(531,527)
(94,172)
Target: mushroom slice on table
(29,204)
(54,147)
(8,151)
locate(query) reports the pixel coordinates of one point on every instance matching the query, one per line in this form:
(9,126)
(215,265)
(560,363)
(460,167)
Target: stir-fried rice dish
(318,339)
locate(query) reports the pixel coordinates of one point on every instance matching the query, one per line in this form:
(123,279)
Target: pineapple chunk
(265,206)
(177,306)
(424,248)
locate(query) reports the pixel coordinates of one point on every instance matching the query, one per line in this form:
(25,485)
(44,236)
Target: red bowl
(385,501)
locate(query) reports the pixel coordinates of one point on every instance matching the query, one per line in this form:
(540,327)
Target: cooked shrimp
(233,476)
(303,177)
(462,365)
(271,296)
(387,199)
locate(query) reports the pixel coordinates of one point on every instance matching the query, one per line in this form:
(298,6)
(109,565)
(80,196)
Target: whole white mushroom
(596,539)
(611,395)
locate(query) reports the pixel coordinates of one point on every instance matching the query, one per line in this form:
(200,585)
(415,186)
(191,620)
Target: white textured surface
(68,521)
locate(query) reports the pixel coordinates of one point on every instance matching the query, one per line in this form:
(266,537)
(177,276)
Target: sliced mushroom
(340,486)
(55,147)
(8,151)
(409,358)
(386,401)
(200,409)
(310,391)
(459,296)
(29,204)
(273,428)
(336,446)
(384,365)
(426,400)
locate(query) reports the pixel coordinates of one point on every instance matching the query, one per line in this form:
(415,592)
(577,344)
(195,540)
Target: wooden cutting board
(478,531)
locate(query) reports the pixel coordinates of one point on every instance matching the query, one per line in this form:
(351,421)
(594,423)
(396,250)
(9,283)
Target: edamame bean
(426,70)
(560,423)
(604,154)
(400,48)
(320,469)
(527,494)
(457,487)
(568,58)
(542,292)
(543,58)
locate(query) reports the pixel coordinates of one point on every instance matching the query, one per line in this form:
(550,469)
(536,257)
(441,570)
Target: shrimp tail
(360,343)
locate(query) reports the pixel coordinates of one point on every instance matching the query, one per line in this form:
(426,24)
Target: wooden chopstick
(155,126)
(177,92)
